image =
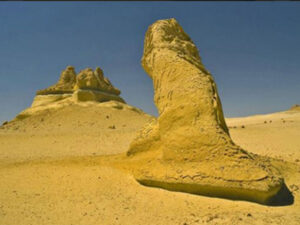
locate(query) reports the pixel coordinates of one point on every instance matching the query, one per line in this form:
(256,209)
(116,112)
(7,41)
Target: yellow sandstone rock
(64,85)
(93,86)
(89,79)
(189,148)
(88,85)
(93,95)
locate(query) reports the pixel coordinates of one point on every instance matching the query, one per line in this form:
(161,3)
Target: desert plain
(63,177)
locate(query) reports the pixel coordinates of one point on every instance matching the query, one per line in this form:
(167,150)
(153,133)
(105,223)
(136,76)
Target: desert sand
(62,177)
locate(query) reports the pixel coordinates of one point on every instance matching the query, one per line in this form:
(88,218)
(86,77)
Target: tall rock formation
(189,148)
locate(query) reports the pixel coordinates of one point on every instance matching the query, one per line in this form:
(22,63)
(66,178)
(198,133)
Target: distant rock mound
(88,85)
(71,88)
(189,148)
(295,107)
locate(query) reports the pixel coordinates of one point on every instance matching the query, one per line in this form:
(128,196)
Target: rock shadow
(283,198)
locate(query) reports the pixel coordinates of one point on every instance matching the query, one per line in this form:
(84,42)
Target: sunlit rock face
(95,80)
(88,85)
(64,85)
(93,86)
(188,148)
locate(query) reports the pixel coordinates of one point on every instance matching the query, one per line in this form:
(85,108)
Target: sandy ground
(54,169)
(275,135)
(74,130)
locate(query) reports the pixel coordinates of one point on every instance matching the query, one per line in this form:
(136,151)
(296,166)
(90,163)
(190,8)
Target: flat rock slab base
(93,95)
(248,181)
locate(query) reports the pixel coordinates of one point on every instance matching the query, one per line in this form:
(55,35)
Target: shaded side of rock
(83,95)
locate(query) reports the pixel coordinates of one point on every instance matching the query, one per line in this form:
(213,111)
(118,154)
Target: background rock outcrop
(64,85)
(295,107)
(189,147)
(95,80)
(88,85)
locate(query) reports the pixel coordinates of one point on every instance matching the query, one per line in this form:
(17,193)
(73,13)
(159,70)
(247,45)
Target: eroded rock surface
(88,85)
(64,85)
(189,148)
(95,80)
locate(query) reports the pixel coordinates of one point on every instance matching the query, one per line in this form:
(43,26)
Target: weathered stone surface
(92,95)
(94,80)
(189,147)
(88,85)
(64,85)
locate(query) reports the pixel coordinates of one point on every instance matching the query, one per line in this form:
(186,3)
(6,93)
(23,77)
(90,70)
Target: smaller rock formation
(88,85)
(64,85)
(93,86)
(89,79)
(295,107)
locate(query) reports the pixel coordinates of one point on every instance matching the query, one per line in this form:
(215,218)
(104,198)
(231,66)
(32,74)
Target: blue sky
(251,48)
